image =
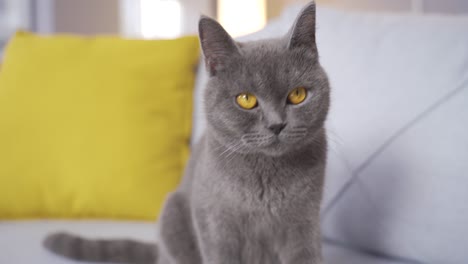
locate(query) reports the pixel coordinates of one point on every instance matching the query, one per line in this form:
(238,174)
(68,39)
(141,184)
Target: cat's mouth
(258,140)
(273,142)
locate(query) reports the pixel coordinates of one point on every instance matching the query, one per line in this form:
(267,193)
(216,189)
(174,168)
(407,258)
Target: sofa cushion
(93,127)
(19,237)
(398,172)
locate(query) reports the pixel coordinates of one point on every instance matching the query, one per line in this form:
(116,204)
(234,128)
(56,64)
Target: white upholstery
(20,241)
(398,171)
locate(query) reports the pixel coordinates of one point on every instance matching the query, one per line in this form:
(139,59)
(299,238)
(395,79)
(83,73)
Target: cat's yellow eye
(246,100)
(297,95)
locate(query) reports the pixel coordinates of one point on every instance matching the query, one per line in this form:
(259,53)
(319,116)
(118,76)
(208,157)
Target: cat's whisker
(226,159)
(253,137)
(336,142)
(294,134)
(259,141)
(332,136)
(229,149)
(317,143)
(299,130)
(299,127)
(234,151)
(253,140)
(218,147)
(226,150)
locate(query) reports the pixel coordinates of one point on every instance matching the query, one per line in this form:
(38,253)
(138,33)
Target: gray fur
(250,196)
(116,251)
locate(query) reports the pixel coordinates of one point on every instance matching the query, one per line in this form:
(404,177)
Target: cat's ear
(302,34)
(217,45)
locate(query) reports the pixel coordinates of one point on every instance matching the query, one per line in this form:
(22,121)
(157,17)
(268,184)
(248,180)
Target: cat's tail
(116,251)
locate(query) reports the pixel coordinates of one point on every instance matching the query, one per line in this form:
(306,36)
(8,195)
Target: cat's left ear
(302,34)
(217,45)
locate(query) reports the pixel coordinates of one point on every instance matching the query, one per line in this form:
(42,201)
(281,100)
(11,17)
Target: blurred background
(172,18)
(397,169)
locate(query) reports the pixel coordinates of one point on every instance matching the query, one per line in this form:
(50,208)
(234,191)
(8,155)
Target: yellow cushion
(93,127)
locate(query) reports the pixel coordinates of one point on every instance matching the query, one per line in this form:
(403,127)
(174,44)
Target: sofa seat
(20,241)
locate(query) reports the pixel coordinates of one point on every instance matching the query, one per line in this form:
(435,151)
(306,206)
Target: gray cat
(252,190)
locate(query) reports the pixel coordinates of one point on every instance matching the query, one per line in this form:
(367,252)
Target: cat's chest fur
(262,183)
(265,187)
(259,196)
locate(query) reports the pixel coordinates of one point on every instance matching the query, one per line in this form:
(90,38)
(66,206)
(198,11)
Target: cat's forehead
(263,49)
(267,66)
(272,57)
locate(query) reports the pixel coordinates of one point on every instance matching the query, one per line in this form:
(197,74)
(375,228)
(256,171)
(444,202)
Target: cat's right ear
(217,45)
(302,34)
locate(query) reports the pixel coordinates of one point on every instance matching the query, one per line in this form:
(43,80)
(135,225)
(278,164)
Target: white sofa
(20,242)
(397,180)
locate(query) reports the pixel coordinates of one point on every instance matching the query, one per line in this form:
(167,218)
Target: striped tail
(116,251)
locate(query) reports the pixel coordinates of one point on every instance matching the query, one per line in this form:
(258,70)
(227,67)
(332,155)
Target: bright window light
(241,17)
(160,18)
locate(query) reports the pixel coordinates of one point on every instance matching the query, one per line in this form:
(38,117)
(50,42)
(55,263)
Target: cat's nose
(276,128)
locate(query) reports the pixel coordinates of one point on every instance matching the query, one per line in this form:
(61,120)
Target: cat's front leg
(178,241)
(302,245)
(219,239)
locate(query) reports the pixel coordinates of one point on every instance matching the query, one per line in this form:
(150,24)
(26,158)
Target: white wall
(426,6)
(191,11)
(451,6)
(106,16)
(87,16)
